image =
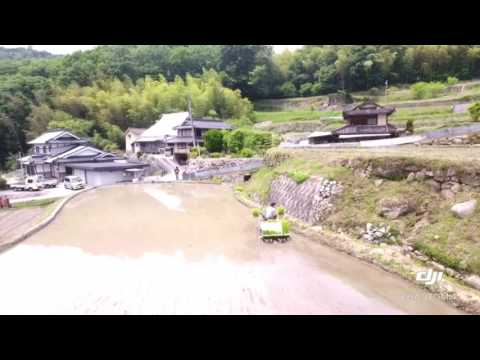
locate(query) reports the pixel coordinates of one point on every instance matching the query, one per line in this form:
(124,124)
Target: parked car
(73,183)
(34,183)
(47,183)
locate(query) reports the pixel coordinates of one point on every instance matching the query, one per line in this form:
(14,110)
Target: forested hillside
(23,53)
(99,93)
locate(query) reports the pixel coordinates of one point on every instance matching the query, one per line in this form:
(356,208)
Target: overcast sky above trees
(68,49)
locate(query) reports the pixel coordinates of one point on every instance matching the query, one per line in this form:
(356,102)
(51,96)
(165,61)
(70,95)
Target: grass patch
(260,183)
(451,241)
(35,203)
(298,176)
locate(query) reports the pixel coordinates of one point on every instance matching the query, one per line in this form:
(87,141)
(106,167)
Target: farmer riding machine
(273,230)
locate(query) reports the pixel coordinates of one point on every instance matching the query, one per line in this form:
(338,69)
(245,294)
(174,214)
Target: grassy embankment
(431,228)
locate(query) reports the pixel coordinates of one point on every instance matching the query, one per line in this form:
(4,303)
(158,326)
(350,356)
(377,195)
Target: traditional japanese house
(57,153)
(190,133)
(366,121)
(154,139)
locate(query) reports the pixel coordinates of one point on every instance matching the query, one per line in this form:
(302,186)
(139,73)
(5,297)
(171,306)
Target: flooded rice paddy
(187,249)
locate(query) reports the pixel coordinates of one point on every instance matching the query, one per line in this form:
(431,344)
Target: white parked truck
(34,183)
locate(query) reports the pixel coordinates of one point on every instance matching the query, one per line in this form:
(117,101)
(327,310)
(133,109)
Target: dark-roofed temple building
(365,121)
(181,144)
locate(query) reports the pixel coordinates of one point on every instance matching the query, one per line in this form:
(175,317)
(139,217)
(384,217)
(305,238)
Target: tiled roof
(366,108)
(110,165)
(51,135)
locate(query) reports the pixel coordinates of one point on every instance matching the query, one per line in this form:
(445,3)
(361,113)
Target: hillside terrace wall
(310,201)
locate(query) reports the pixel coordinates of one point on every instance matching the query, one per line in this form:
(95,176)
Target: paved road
(21,196)
(187,249)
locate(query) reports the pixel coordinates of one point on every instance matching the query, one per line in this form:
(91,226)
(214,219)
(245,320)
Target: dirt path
(188,249)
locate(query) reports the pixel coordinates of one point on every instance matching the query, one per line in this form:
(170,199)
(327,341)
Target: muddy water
(187,249)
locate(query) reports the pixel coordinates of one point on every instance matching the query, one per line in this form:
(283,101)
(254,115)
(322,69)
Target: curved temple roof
(366,108)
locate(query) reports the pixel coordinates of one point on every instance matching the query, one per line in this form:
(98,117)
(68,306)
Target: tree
(79,127)
(342,63)
(213,140)
(250,69)
(475,111)
(235,140)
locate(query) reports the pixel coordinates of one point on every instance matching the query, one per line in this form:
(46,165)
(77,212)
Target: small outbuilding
(131,135)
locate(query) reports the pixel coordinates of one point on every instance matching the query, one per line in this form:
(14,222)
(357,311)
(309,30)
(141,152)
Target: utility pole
(191,120)
(386,92)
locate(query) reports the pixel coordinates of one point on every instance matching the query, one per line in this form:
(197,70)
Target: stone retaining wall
(473,140)
(310,201)
(208,168)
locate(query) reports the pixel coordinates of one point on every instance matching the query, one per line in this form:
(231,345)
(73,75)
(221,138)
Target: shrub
(423,90)
(11,163)
(217,180)
(242,122)
(194,153)
(239,189)
(214,140)
(475,111)
(299,177)
(409,126)
(374,91)
(3,183)
(234,140)
(216,155)
(347,97)
(246,152)
(256,213)
(281,211)
(452,80)
(256,140)
(197,151)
